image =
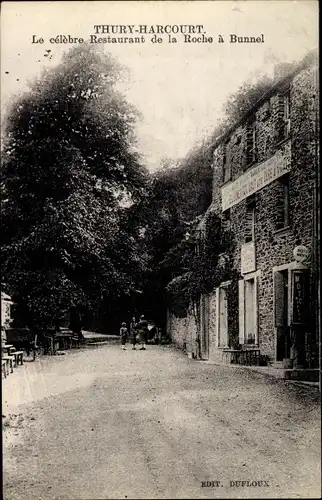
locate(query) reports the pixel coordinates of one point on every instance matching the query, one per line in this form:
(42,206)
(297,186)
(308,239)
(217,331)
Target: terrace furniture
(9,361)
(71,339)
(64,340)
(19,337)
(18,355)
(4,367)
(246,357)
(7,348)
(75,341)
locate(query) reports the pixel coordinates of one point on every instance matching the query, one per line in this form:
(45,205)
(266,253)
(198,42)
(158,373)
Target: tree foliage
(69,175)
(177,194)
(205,262)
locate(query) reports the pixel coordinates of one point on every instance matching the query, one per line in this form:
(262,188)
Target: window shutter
(226,163)
(249,226)
(280,117)
(249,143)
(217,317)
(279,203)
(250,218)
(279,299)
(256,309)
(241,308)
(287,120)
(282,202)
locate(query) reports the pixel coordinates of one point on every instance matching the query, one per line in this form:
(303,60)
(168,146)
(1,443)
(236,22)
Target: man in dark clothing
(133,332)
(75,322)
(143,332)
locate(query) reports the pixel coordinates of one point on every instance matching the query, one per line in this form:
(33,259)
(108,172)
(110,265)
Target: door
(204,340)
(250,311)
(281,284)
(223,318)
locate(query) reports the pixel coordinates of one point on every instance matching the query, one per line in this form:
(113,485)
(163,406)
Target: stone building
(265,189)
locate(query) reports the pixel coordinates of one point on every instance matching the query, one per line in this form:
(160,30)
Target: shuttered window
(283,203)
(251,142)
(279,291)
(226,220)
(256,310)
(248,311)
(250,216)
(241,309)
(226,164)
(283,121)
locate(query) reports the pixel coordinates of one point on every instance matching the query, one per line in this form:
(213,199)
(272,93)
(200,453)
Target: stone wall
(183,332)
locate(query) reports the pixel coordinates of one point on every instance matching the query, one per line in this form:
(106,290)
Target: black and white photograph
(160,250)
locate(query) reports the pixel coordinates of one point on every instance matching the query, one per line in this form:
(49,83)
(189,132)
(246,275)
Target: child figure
(124,335)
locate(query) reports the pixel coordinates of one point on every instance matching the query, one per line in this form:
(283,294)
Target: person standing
(133,332)
(143,332)
(124,335)
(75,324)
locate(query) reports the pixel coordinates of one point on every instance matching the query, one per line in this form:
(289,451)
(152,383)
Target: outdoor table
(7,347)
(64,339)
(242,356)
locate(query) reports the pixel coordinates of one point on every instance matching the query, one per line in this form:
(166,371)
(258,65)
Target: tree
(177,193)
(69,175)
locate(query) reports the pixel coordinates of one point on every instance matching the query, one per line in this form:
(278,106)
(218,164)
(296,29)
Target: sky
(179,88)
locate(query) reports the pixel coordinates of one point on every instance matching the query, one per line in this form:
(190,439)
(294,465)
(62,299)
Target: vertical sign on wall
(300,298)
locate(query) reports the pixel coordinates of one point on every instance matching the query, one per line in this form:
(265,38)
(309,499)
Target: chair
(9,361)
(18,355)
(4,367)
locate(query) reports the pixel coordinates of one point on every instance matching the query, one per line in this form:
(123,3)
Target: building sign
(300,297)
(256,178)
(300,253)
(247,258)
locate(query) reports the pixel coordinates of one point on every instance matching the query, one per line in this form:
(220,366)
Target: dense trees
(69,175)
(177,195)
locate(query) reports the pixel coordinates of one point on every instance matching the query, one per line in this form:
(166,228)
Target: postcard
(160,293)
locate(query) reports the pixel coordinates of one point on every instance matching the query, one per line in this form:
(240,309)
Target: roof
(309,60)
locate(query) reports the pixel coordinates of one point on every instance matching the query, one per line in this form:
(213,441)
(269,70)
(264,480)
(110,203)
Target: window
(283,203)
(222,316)
(283,123)
(226,165)
(250,219)
(266,111)
(199,241)
(287,119)
(226,219)
(248,310)
(198,244)
(281,313)
(251,141)
(250,303)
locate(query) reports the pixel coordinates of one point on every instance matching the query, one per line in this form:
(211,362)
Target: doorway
(204,324)
(222,332)
(250,310)
(281,288)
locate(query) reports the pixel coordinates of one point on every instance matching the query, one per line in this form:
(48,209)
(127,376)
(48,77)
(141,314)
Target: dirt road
(105,423)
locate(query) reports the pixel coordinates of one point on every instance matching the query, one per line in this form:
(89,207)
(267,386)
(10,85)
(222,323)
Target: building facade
(265,189)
